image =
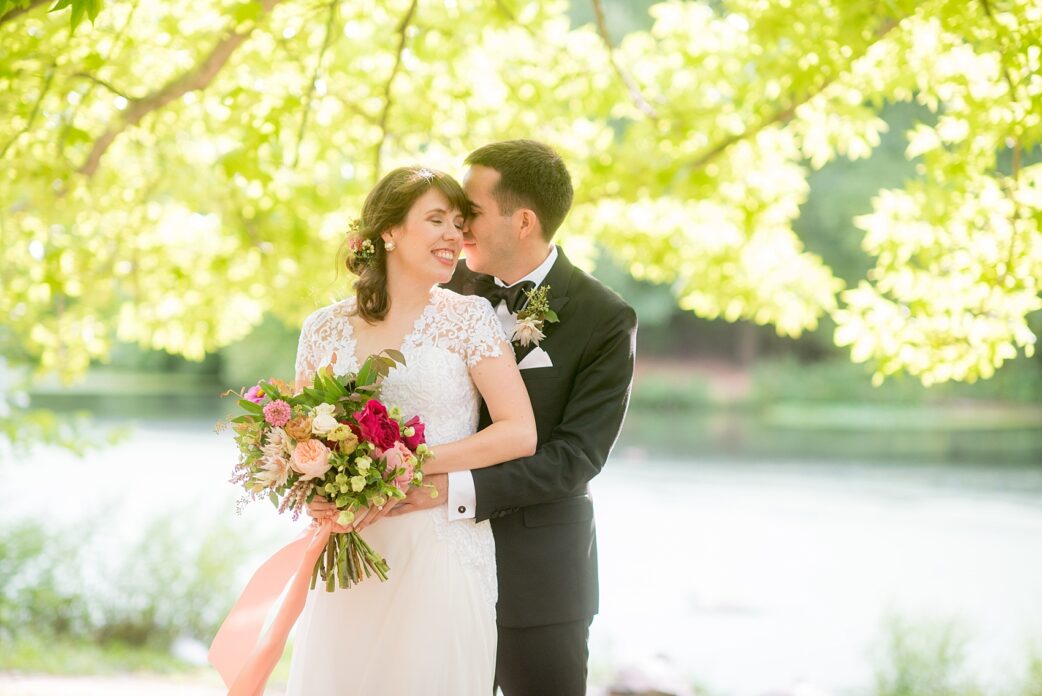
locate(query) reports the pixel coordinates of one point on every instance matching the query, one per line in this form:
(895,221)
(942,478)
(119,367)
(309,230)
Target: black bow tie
(514,296)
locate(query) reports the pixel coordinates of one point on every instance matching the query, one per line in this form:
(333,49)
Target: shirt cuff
(462,496)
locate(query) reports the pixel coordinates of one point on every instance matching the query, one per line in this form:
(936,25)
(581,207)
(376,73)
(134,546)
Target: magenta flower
(255,395)
(277,413)
(417,438)
(375,426)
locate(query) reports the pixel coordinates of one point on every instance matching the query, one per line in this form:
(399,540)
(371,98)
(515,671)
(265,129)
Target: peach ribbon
(242,651)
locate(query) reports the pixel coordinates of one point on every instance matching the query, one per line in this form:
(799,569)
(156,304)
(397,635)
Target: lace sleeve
(486,336)
(304,367)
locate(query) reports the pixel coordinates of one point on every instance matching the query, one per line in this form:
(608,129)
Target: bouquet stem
(346,558)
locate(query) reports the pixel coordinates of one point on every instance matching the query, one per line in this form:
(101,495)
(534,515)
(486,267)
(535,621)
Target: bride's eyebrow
(439,211)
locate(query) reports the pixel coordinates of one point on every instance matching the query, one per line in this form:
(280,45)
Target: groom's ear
(528,223)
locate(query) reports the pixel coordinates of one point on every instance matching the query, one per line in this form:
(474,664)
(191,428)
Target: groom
(578,378)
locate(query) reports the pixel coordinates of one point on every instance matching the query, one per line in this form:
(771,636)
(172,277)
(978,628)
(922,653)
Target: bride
(430,628)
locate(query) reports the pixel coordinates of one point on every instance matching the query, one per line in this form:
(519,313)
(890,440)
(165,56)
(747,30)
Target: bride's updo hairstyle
(387,206)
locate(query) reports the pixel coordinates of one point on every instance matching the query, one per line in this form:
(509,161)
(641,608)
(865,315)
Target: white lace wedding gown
(430,628)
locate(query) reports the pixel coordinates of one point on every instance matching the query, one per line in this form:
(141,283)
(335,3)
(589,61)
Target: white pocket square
(537,358)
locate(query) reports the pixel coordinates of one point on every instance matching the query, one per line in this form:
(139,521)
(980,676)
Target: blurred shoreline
(692,409)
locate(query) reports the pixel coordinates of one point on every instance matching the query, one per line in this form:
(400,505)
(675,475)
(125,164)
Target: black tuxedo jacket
(540,506)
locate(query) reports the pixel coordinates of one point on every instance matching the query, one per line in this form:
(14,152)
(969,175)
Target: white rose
(324,408)
(323,424)
(527,332)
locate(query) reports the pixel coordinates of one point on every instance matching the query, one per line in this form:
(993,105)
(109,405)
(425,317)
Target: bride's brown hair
(385,207)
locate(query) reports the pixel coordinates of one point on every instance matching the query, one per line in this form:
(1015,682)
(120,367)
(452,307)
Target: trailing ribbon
(242,651)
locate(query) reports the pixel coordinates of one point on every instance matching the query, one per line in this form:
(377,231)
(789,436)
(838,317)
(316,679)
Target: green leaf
(76,136)
(270,391)
(551,316)
(273,498)
(367,375)
(247,405)
(395,355)
(60,5)
(79,8)
(246,11)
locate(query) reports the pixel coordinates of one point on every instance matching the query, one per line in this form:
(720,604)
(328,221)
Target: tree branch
(1013,91)
(18,11)
(402,29)
(32,116)
(998,28)
(114,49)
(638,99)
(1009,184)
(103,83)
(355,108)
(786,114)
(314,78)
(198,78)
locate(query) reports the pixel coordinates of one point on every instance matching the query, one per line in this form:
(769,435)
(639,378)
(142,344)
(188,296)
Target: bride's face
(428,242)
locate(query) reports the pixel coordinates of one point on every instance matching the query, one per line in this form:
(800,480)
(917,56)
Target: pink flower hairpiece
(360,248)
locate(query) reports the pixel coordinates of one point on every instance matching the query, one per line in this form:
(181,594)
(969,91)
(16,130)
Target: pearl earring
(389,245)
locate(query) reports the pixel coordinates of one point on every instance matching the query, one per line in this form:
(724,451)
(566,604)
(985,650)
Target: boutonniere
(531,319)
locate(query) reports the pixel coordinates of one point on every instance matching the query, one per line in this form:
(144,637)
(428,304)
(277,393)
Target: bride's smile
(427,243)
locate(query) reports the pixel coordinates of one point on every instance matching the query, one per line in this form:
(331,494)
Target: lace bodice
(452,334)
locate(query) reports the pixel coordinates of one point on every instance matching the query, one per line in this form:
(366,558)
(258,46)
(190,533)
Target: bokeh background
(826,213)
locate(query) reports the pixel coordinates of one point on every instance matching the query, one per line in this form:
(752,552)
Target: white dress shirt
(462,496)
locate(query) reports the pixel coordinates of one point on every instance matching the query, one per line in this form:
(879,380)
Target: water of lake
(747,576)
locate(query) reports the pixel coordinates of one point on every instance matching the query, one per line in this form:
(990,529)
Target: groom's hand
(419,497)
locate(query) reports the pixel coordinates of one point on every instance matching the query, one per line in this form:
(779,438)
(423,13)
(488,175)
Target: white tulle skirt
(429,629)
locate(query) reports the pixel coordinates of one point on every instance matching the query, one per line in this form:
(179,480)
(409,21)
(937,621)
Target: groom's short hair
(532,176)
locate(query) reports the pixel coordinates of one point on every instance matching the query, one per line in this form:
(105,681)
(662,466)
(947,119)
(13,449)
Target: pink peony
(417,438)
(277,413)
(399,457)
(376,426)
(310,459)
(255,395)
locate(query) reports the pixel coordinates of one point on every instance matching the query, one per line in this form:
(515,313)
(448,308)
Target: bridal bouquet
(335,439)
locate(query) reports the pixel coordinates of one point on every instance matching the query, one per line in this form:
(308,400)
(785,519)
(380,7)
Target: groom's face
(488,237)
